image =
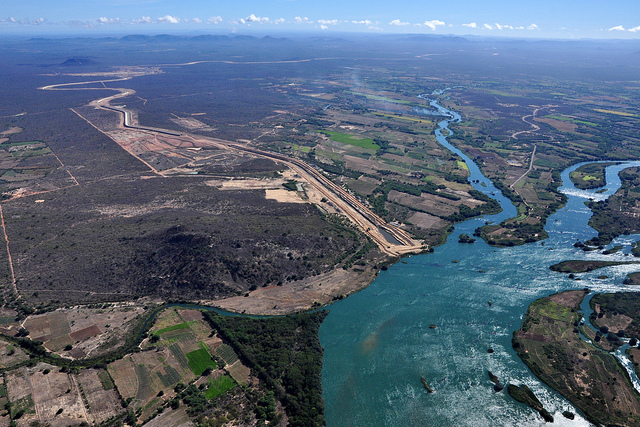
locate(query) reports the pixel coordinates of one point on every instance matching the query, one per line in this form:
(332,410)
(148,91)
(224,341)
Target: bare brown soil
(103,404)
(301,295)
(48,392)
(424,220)
(91,332)
(170,417)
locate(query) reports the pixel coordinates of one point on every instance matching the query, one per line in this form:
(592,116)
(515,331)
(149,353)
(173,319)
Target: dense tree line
(285,353)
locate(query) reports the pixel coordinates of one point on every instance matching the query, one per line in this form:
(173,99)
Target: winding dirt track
(367,221)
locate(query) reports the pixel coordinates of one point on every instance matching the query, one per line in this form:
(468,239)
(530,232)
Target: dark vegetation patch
(285,353)
(174,237)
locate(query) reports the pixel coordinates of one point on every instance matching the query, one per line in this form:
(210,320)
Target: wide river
(378,342)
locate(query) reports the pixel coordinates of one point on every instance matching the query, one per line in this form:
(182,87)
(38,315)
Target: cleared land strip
(368,222)
(6,238)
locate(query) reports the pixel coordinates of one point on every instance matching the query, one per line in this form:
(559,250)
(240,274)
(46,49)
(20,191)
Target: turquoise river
(378,342)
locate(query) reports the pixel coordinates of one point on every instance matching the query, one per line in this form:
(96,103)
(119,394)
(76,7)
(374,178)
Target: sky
(566,19)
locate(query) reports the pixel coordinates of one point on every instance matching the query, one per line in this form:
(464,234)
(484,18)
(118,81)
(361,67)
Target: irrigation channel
(378,342)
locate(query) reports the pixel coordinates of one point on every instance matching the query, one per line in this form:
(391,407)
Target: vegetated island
(142,362)
(591,175)
(618,214)
(580,266)
(591,379)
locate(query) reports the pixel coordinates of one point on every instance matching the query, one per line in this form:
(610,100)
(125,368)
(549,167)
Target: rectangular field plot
(239,372)
(175,418)
(179,336)
(170,377)
(226,353)
(190,315)
(105,379)
(48,326)
(104,402)
(179,355)
(200,360)
(124,376)
(166,319)
(179,326)
(144,383)
(38,392)
(219,386)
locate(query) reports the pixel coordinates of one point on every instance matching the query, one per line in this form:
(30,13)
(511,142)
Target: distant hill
(78,61)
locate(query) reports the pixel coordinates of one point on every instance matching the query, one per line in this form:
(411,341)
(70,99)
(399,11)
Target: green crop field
(219,386)
(175,327)
(200,360)
(344,138)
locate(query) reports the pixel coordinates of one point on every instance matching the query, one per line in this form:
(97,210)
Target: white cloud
(214,20)
(433,23)
(197,20)
(375,28)
(13,20)
(103,20)
(487,27)
(532,27)
(254,19)
(502,27)
(365,22)
(470,25)
(169,19)
(398,23)
(328,21)
(323,27)
(299,20)
(143,20)
(278,21)
(635,29)
(618,28)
